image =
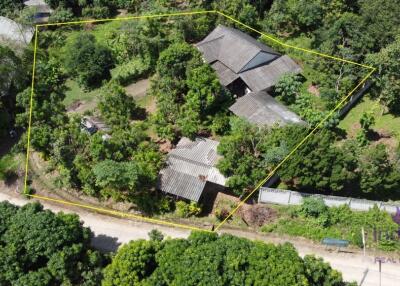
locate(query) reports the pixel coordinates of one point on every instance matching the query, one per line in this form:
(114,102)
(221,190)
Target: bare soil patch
(138,89)
(81,106)
(313,89)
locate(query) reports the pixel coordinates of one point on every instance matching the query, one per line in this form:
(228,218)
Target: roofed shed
(262,109)
(190,167)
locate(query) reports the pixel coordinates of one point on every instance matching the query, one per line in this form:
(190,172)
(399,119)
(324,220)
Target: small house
(242,63)
(191,173)
(14,33)
(42,10)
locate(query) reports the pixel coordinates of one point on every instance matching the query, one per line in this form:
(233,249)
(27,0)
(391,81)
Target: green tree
(387,80)
(206,258)
(241,10)
(87,60)
(38,247)
(287,88)
(133,262)
(13,79)
(318,165)
(383,23)
(377,172)
(249,152)
(116,107)
(367,120)
(48,110)
(9,7)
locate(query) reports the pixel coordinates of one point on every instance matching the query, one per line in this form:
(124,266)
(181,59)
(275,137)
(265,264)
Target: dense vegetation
(38,247)
(123,162)
(314,220)
(205,259)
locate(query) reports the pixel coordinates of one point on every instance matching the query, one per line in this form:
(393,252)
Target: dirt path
(111,232)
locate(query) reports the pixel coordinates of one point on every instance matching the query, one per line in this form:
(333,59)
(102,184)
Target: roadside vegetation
(314,220)
(38,247)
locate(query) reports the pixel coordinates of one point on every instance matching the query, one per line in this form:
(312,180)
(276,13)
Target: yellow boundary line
(157,221)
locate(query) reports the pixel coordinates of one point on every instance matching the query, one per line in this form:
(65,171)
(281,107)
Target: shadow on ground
(105,243)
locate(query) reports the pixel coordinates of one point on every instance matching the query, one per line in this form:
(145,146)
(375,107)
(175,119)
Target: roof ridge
(190,160)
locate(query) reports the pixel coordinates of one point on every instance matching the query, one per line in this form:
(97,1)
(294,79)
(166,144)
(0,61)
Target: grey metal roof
(189,166)
(12,31)
(266,76)
(40,5)
(231,47)
(225,75)
(262,109)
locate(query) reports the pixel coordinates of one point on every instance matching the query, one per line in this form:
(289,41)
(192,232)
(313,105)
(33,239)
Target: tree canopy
(205,259)
(87,60)
(38,247)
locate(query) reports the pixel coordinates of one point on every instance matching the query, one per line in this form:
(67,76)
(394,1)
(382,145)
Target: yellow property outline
(151,220)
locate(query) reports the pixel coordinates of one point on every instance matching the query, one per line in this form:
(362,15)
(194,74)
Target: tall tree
(87,60)
(38,247)
(387,80)
(205,259)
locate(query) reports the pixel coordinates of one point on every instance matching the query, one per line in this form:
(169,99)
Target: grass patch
(9,166)
(145,101)
(76,93)
(386,122)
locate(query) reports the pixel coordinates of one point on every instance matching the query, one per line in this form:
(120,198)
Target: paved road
(111,232)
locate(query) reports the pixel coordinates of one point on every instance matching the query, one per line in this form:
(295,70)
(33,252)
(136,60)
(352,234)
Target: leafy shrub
(313,207)
(130,71)
(269,227)
(221,213)
(61,15)
(156,235)
(288,87)
(388,245)
(184,209)
(97,12)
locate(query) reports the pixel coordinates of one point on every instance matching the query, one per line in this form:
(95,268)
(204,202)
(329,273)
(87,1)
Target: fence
(353,99)
(286,197)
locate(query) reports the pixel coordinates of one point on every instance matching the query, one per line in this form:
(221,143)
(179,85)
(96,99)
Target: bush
(96,12)
(130,71)
(156,235)
(184,209)
(221,213)
(313,207)
(61,15)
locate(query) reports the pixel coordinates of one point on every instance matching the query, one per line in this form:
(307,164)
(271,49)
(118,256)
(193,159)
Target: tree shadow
(105,243)
(140,114)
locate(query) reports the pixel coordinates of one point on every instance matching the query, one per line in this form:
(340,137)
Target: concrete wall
(286,197)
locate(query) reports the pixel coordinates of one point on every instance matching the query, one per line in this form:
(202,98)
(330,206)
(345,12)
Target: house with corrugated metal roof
(241,61)
(262,109)
(190,172)
(42,10)
(12,32)
(249,69)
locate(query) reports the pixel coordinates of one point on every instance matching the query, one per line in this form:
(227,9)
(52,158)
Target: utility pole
(363,238)
(380,272)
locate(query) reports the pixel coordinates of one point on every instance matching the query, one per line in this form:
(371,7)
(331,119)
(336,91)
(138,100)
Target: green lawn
(75,93)
(386,122)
